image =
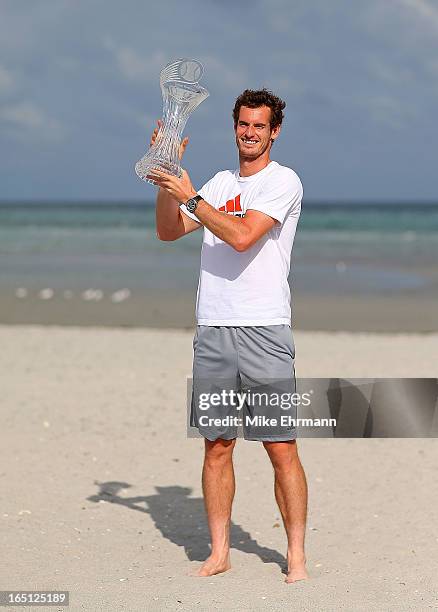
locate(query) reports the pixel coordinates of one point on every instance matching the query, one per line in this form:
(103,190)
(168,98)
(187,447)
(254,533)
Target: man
(243,309)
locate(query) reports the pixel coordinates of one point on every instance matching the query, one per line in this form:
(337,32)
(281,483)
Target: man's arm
(171,223)
(239,233)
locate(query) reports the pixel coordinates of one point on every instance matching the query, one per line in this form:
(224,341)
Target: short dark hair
(260,97)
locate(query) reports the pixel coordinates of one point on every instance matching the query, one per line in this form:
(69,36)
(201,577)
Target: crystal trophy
(182,93)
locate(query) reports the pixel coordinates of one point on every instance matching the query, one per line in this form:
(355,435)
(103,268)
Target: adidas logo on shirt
(233,207)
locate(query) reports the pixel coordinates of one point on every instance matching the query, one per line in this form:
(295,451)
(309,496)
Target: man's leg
(291,495)
(218,485)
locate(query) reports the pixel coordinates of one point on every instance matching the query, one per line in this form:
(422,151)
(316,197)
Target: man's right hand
(182,146)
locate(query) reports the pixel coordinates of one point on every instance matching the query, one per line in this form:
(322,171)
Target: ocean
(108,251)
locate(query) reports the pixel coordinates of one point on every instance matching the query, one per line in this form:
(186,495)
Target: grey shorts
(242,379)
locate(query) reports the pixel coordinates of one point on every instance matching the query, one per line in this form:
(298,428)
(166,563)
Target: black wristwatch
(193,203)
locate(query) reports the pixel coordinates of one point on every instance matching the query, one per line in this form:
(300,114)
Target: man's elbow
(166,236)
(241,244)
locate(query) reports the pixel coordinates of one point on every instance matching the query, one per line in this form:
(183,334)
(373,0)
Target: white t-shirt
(250,287)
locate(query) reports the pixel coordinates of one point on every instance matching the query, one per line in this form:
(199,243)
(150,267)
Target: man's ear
(275,132)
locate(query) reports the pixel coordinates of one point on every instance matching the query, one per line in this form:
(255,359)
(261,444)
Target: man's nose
(250,131)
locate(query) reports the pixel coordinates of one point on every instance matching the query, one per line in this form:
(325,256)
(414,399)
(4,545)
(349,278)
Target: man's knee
(219,451)
(283,455)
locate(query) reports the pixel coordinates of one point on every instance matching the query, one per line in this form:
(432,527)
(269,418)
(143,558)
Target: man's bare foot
(296,574)
(296,569)
(214,565)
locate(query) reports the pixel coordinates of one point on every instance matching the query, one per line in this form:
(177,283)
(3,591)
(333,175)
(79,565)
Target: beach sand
(101,490)
(176,309)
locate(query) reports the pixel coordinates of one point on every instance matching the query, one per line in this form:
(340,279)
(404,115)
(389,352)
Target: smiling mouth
(249,142)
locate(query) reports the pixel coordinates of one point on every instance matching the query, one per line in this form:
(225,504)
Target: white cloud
(7,81)
(24,114)
(390,73)
(147,121)
(407,24)
(227,74)
(425,10)
(28,118)
(388,110)
(132,65)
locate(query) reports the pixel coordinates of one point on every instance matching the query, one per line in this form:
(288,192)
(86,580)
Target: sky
(79,92)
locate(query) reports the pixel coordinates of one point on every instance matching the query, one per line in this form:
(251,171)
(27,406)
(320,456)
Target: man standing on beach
(243,310)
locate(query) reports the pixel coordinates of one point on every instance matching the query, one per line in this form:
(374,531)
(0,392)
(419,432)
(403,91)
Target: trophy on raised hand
(182,93)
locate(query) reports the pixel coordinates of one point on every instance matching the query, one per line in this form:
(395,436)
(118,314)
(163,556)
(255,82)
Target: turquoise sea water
(349,247)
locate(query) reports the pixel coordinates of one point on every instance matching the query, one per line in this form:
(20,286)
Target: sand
(392,313)
(101,488)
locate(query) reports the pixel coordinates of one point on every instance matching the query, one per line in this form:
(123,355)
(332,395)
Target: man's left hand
(181,189)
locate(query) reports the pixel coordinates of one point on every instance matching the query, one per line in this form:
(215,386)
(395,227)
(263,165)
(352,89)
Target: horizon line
(150,203)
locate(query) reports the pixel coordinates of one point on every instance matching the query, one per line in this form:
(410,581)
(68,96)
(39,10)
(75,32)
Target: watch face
(191,205)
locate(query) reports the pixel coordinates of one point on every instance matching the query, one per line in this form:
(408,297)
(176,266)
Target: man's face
(253,131)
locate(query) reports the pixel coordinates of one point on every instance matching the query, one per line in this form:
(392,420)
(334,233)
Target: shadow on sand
(181,519)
